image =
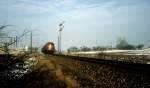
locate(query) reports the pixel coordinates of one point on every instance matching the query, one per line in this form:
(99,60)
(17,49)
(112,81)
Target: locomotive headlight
(49,47)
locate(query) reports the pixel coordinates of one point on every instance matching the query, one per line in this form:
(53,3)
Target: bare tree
(123,44)
(85,48)
(73,49)
(4,26)
(6,40)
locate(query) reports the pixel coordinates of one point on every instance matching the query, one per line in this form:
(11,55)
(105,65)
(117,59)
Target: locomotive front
(48,48)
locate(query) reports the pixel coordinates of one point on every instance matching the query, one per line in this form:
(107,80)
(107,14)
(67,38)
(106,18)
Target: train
(48,48)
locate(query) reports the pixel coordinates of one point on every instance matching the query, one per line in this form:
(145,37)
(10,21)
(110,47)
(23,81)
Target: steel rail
(119,64)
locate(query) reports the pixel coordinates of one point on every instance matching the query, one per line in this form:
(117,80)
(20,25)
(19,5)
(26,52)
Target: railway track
(93,72)
(119,64)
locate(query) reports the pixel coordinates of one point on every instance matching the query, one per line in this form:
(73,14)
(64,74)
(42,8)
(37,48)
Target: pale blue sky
(88,22)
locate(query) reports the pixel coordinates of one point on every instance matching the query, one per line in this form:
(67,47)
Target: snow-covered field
(124,52)
(136,56)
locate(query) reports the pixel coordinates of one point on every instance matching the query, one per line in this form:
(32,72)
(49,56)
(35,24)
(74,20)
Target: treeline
(122,44)
(85,48)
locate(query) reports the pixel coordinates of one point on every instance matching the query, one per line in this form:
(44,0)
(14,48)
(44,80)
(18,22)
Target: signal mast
(61,27)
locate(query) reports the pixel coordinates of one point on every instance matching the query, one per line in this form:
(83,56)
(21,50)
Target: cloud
(39,6)
(42,6)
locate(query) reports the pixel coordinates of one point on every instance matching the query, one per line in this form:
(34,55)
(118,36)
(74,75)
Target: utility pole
(60,41)
(16,41)
(111,46)
(61,26)
(31,42)
(58,44)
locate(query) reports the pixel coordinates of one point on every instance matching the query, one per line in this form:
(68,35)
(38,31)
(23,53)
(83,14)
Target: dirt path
(47,74)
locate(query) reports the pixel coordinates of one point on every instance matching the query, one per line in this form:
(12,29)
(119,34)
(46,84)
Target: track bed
(102,75)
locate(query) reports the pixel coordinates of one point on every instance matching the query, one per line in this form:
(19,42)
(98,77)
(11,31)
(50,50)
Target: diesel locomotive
(48,48)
